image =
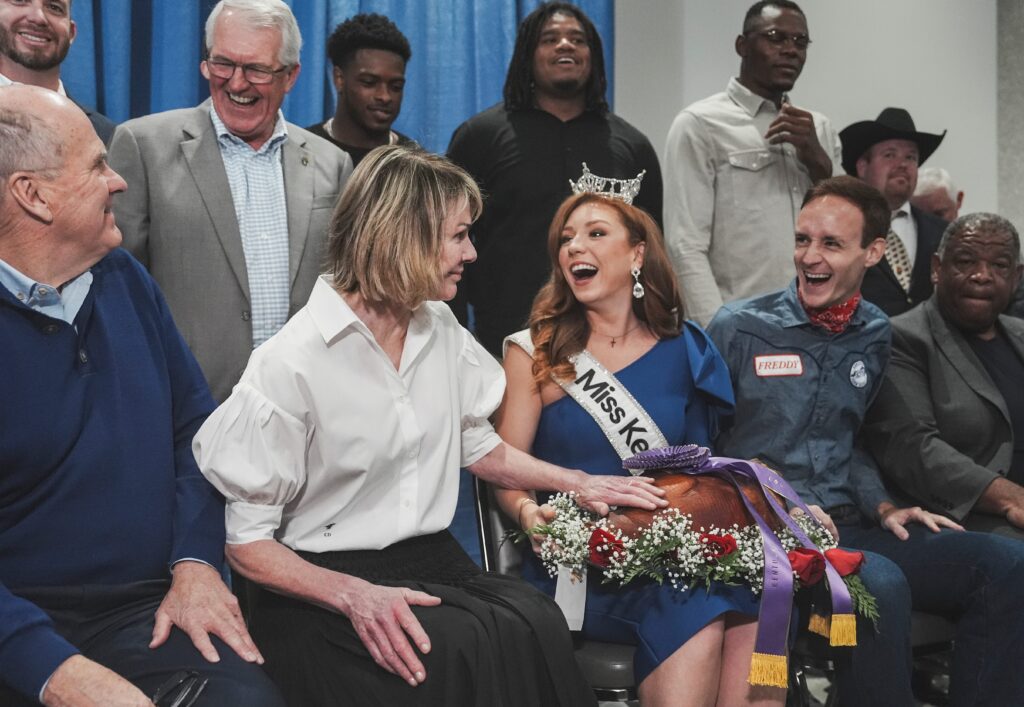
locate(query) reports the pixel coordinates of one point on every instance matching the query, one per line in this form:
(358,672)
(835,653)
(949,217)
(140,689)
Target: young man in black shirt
(369,55)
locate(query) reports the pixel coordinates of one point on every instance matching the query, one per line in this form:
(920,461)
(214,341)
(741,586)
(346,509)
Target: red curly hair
(558,322)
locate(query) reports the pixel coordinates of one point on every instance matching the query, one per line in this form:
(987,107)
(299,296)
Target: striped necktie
(896,254)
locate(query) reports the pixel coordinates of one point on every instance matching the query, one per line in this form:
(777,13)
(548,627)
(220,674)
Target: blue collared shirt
(801,395)
(63,304)
(256,178)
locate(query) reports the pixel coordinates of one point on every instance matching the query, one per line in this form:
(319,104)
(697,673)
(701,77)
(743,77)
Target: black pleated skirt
(495,641)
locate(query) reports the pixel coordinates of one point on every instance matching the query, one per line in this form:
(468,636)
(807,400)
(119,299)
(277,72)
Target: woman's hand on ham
(597,492)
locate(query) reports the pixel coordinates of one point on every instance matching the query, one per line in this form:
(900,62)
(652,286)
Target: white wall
(936,58)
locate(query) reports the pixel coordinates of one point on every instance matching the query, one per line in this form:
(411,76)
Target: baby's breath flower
(670,548)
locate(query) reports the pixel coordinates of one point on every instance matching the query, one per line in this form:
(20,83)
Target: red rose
(717,546)
(808,564)
(603,547)
(845,561)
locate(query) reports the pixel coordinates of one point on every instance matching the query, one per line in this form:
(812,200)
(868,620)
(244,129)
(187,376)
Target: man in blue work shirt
(806,362)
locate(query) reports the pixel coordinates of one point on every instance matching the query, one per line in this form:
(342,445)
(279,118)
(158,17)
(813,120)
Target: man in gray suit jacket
(227,204)
(947,426)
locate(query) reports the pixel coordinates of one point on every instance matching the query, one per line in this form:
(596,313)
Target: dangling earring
(638,289)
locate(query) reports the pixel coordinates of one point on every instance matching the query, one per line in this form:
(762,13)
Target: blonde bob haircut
(387,230)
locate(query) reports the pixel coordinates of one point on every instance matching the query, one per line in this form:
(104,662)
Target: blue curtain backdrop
(135,57)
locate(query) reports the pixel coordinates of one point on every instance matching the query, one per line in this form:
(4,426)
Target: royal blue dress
(683,383)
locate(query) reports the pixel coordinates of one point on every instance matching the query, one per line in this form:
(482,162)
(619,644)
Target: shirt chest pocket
(753,175)
(781,382)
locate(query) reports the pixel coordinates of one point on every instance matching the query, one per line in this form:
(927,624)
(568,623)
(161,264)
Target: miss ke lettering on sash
(593,389)
(601,393)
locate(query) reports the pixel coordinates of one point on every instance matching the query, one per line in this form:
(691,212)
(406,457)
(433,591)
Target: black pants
(113,626)
(495,641)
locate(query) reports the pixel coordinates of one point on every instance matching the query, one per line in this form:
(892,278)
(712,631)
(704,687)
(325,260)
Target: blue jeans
(976,579)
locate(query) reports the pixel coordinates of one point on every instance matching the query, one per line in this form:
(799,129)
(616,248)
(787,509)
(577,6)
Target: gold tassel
(768,669)
(819,624)
(844,630)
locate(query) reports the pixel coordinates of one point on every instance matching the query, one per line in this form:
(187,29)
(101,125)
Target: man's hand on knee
(199,603)
(80,682)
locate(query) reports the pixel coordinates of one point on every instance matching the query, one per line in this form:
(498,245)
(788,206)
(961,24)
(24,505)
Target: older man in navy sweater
(111,542)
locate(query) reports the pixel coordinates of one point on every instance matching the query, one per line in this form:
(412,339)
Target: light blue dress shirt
(63,304)
(256,178)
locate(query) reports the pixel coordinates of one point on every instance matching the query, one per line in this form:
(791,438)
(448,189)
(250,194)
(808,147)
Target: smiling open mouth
(34,37)
(583,272)
(817,278)
(242,100)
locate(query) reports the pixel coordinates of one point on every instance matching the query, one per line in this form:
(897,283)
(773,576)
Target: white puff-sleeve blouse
(324,445)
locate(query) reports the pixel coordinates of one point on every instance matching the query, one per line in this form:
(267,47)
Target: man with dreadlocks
(524,151)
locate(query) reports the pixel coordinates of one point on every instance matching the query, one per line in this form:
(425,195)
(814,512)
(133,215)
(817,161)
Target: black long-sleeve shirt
(523,161)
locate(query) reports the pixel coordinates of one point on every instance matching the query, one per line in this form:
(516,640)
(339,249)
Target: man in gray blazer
(227,204)
(947,426)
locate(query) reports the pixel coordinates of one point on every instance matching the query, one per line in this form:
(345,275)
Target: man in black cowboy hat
(886,153)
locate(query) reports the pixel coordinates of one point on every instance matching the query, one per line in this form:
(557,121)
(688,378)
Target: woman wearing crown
(338,453)
(606,369)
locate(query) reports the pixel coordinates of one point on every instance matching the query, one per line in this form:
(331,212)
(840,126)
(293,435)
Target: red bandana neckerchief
(832,319)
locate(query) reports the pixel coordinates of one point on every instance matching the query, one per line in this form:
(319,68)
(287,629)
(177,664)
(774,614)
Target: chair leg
(799,694)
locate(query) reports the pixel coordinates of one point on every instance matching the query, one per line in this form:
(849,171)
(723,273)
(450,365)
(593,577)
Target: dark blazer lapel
(885,270)
(299,176)
(202,154)
(958,352)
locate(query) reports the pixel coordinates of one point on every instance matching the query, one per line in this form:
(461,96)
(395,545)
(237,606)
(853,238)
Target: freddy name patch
(769,366)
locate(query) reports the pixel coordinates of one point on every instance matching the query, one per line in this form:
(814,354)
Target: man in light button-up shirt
(737,165)
(228,204)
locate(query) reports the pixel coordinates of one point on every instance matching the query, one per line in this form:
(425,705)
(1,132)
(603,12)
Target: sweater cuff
(30,658)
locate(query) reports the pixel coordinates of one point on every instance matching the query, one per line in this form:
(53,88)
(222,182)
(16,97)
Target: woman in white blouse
(339,452)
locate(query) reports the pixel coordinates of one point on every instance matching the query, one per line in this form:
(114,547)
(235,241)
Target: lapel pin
(305,160)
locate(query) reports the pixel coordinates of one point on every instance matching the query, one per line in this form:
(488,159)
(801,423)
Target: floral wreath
(670,547)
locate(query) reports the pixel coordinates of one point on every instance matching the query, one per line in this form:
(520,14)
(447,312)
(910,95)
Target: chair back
(492,524)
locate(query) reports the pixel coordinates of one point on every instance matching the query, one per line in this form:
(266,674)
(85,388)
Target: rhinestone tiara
(621,189)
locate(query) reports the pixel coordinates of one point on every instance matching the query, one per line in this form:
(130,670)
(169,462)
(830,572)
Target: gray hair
(27,144)
(263,14)
(982,220)
(931,178)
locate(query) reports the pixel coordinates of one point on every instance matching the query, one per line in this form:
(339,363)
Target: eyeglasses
(181,690)
(777,38)
(253,73)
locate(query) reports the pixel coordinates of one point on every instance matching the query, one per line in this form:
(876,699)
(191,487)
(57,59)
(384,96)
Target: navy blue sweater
(97,480)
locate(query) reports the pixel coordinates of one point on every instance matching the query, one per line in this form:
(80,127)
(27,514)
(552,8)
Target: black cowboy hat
(891,124)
